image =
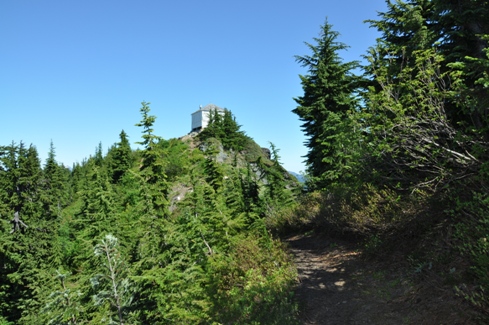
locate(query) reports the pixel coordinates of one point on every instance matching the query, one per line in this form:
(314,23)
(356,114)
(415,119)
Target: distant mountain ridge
(299,177)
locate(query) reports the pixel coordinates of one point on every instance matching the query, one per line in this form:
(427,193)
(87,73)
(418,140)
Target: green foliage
(473,233)
(64,304)
(252,286)
(149,139)
(194,217)
(177,158)
(112,286)
(28,249)
(360,212)
(409,127)
(423,110)
(252,151)
(406,27)
(152,167)
(56,185)
(120,158)
(326,107)
(225,128)
(387,165)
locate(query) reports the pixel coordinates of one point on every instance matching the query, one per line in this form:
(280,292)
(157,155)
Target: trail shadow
(337,286)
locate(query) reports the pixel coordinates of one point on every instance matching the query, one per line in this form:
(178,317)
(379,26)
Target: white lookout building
(200,118)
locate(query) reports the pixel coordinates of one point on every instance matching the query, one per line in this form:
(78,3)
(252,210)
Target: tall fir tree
(121,158)
(465,35)
(152,166)
(329,95)
(56,187)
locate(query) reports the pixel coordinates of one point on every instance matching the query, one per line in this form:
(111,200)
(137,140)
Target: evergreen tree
(98,213)
(464,31)
(63,305)
(213,169)
(224,128)
(78,173)
(10,175)
(111,284)
(121,158)
(178,157)
(214,126)
(329,98)
(30,180)
(250,188)
(407,26)
(152,167)
(11,289)
(150,237)
(275,175)
(28,248)
(99,155)
(55,185)
(414,109)
(149,139)
(233,137)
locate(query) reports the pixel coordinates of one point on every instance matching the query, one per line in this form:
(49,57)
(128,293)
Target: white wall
(197,120)
(200,119)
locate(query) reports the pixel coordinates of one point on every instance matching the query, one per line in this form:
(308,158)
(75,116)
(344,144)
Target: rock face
(267,153)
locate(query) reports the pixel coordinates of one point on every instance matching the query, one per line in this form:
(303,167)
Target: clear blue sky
(75,72)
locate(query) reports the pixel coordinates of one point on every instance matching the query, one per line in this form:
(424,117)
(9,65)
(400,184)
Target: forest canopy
(174,232)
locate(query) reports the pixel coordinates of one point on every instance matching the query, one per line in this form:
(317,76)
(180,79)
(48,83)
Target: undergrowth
(472,232)
(435,237)
(254,284)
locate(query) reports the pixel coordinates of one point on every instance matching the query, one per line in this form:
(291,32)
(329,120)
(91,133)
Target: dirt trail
(338,286)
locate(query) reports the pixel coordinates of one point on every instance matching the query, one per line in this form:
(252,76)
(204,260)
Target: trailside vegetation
(399,148)
(172,233)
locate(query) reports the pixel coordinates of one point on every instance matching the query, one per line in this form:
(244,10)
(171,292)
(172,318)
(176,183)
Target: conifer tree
(98,213)
(212,169)
(78,173)
(329,96)
(55,185)
(121,159)
(111,283)
(30,180)
(233,137)
(214,126)
(464,31)
(29,251)
(149,140)
(251,192)
(178,157)
(151,210)
(11,290)
(407,26)
(276,180)
(224,128)
(99,155)
(10,174)
(414,111)
(152,167)
(64,304)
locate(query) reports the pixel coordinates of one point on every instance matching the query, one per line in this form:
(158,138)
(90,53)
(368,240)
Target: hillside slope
(173,233)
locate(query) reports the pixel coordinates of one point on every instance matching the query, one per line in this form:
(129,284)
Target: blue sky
(75,72)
